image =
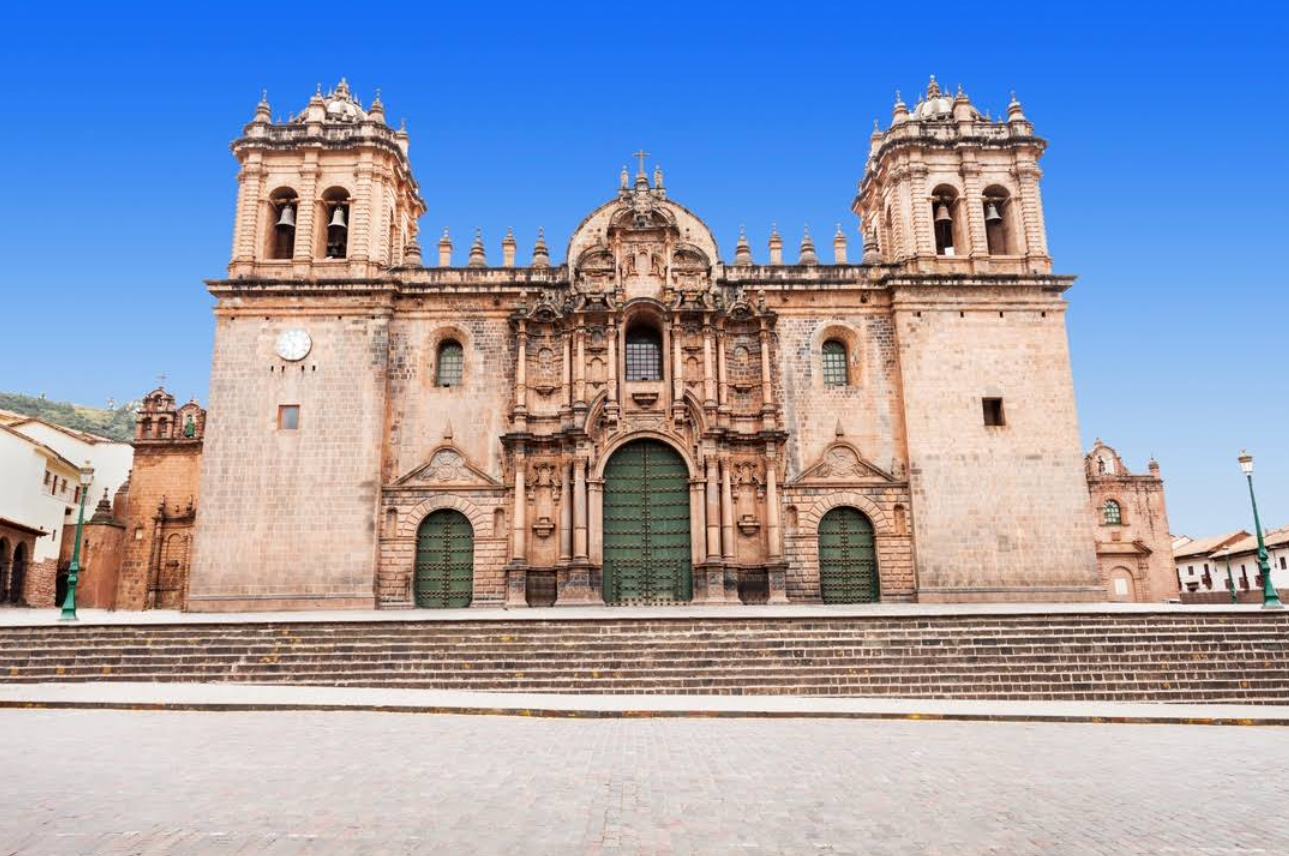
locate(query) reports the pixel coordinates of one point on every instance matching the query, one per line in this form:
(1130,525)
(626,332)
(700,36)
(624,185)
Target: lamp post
(1270,598)
(73,570)
(1230,580)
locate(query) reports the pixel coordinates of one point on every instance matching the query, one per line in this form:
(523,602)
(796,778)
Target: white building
(1201,564)
(111,459)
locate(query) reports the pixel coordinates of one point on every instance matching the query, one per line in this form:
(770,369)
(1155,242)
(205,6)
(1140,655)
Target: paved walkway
(289,784)
(244,697)
(44,617)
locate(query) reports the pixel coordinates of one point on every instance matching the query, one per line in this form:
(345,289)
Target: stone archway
(444,574)
(647,551)
(1122,585)
(18,573)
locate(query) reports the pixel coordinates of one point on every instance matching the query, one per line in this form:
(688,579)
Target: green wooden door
(646,525)
(847,558)
(444,560)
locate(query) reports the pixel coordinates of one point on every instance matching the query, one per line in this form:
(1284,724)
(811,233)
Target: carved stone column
(519,520)
(727,510)
(775,568)
(613,397)
(595,521)
(709,370)
(565,514)
(521,377)
(677,368)
(713,511)
(579,509)
(579,365)
(697,523)
(722,386)
(767,385)
(567,392)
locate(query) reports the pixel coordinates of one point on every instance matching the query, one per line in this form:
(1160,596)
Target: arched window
(944,218)
(834,363)
(335,223)
(997,208)
(449,363)
(284,205)
(1111,513)
(644,354)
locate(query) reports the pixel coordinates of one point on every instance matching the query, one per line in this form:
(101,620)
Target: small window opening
(288,417)
(994,411)
(450,362)
(834,363)
(644,354)
(1112,514)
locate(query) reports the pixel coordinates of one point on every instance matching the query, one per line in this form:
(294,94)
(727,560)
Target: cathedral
(650,421)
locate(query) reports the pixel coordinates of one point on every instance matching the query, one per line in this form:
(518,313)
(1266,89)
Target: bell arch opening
(647,552)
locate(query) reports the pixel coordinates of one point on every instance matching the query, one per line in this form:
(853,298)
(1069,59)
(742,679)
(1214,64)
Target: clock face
(294,344)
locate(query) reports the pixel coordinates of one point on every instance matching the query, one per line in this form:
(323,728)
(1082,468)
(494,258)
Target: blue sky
(1161,191)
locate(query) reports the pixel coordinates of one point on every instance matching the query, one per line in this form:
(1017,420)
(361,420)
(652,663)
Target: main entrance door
(646,525)
(444,560)
(847,558)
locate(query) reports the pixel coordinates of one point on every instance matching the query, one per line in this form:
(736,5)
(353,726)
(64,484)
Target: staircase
(1170,657)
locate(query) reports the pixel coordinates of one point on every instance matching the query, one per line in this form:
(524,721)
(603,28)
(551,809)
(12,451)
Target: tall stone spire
(541,256)
(839,247)
(445,249)
(508,249)
(776,245)
(478,258)
(742,250)
(807,255)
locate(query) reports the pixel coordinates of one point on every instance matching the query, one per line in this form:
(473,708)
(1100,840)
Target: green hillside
(117,424)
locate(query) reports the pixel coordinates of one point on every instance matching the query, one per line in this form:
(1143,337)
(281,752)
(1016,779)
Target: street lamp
(69,602)
(1230,580)
(1270,598)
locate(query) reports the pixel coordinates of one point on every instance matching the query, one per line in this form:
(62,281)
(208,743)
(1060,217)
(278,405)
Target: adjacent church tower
(950,209)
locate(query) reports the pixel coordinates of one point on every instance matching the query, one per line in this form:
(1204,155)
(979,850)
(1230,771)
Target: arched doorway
(444,574)
(4,570)
(847,558)
(18,574)
(647,555)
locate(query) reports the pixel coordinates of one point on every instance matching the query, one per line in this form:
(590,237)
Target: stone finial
(900,113)
(932,89)
(478,258)
(445,249)
(412,253)
(541,256)
(839,247)
(262,111)
(1153,466)
(1014,113)
(624,178)
(876,136)
(776,245)
(807,255)
(377,110)
(871,254)
(839,431)
(657,177)
(742,250)
(508,249)
(103,511)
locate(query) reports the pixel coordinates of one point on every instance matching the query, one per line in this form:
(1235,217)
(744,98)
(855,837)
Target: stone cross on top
(642,154)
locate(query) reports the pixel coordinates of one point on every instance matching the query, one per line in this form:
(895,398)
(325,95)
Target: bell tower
(326,193)
(949,190)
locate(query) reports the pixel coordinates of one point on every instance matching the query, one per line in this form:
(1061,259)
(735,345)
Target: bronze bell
(991,212)
(287,217)
(942,214)
(338,218)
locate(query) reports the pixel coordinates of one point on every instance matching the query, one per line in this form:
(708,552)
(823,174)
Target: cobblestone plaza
(100,782)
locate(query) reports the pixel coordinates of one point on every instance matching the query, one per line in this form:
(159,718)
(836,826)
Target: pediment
(842,462)
(447,466)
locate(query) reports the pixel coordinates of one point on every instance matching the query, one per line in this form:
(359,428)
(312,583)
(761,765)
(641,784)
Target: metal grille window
(834,363)
(644,354)
(449,366)
(1114,516)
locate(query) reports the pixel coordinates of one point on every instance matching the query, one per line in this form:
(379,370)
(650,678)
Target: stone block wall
(165,483)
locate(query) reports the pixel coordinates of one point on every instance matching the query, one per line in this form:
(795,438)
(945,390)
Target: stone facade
(161,509)
(1134,548)
(356,392)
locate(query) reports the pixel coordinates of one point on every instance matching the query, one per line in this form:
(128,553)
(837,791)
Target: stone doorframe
(893,540)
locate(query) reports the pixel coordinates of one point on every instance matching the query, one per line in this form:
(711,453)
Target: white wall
(25,499)
(111,461)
